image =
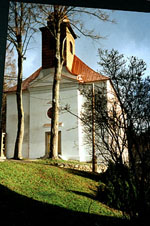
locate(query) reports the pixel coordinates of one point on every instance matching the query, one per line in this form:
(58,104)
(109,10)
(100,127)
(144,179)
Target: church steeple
(48,45)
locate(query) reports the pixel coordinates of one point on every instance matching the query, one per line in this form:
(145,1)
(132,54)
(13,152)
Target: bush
(118,189)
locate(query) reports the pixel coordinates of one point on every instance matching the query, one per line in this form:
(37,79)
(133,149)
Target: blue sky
(130,35)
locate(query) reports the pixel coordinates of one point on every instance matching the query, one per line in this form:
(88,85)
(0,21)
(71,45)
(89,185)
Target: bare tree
(132,89)
(123,123)
(122,126)
(20,32)
(9,80)
(110,137)
(57,16)
(10,68)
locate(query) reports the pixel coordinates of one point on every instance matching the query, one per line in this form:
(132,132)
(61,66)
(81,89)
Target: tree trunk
(20,130)
(55,97)
(94,157)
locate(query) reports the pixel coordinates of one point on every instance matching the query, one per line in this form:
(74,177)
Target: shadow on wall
(19,210)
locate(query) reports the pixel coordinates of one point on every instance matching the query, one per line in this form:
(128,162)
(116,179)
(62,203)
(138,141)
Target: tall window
(71,47)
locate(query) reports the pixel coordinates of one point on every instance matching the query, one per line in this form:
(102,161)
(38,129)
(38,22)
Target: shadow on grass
(87,195)
(18,210)
(85,174)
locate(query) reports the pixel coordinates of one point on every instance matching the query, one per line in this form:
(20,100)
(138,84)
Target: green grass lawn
(31,190)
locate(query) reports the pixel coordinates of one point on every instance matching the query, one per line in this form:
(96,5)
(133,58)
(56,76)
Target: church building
(37,96)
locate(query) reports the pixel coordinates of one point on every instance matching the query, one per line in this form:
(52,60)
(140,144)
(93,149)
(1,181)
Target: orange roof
(85,73)
(82,73)
(26,82)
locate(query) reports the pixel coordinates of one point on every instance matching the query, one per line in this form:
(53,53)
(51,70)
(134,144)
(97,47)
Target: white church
(37,95)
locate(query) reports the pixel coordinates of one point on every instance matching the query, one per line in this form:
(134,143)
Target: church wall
(11,124)
(40,123)
(38,108)
(70,144)
(84,149)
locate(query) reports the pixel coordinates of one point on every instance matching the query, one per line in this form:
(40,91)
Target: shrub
(118,189)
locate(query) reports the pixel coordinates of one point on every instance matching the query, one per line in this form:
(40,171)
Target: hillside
(32,193)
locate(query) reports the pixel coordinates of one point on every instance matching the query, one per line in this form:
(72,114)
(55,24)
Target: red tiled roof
(85,73)
(82,73)
(26,82)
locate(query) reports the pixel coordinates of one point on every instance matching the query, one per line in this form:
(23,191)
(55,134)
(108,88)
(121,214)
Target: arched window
(71,47)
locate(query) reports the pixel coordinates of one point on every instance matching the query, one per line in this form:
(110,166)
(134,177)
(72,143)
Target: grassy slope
(69,190)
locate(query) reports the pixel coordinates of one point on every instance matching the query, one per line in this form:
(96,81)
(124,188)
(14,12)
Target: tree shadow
(16,210)
(87,195)
(85,174)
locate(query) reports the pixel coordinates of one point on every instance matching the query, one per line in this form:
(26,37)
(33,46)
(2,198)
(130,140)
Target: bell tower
(48,45)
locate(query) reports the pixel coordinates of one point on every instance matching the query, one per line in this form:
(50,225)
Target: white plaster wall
(40,102)
(70,140)
(84,149)
(11,124)
(36,102)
